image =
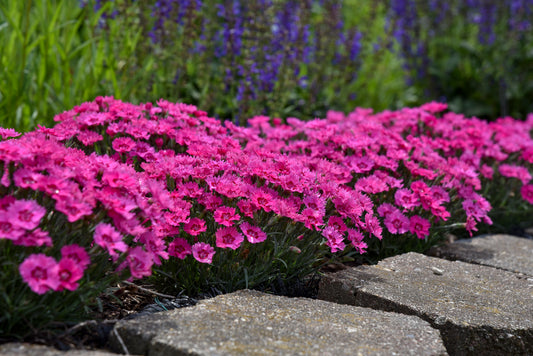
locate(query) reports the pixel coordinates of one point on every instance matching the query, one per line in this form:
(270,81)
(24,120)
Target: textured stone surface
(253,323)
(478,309)
(21,349)
(501,251)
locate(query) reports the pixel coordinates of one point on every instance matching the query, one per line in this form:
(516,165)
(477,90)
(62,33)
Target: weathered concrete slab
(23,349)
(253,323)
(507,252)
(479,310)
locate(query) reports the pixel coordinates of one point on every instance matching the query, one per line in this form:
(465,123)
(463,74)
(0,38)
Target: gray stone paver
(253,323)
(479,310)
(23,349)
(501,251)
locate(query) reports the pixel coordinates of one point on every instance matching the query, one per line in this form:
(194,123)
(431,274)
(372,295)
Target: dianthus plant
(216,207)
(71,224)
(348,180)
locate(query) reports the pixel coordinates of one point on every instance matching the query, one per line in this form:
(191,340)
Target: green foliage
(255,266)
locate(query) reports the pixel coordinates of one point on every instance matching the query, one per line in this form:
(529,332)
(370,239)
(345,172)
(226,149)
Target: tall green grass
(57,54)
(51,59)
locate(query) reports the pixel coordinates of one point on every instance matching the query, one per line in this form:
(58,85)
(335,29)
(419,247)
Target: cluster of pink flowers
(43,273)
(173,182)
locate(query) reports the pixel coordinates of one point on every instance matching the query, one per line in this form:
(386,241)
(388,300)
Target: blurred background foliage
(281,58)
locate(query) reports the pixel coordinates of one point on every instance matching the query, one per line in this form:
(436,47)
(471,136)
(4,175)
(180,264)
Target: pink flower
(423,193)
(195,227)
(179,248)
(176,218)
(6,201)
(261,199)
(210,201)
(154,245)
(371,184)
(439,195)
(34,238)
(7,229)
(434,107)
(470,224)
(40,273)
(334,239)
(372,226)
(228,237)
(107,237)
(77,254)
(203,252)
(337,223)
(88,138)
(253,233)
(440,212)
(361,164)
(140,262)
(315,202)
(513,171)
(119,178)
(312,218)
(7,133)
(54,186)
(26,178)
(486,171)
(247,208)
(476,209)
(226,216)
(386,209)
(74,210)
(527,193)
(419,226)
(69,274)
(397,223)
(26,214)
(123,144)
(356,238)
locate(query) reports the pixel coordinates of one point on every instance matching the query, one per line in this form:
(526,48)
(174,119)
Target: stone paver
(253,323)
(501,251)
(21,349)
(478,309)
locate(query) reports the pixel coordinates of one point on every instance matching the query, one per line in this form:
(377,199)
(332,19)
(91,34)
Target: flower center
(39,273)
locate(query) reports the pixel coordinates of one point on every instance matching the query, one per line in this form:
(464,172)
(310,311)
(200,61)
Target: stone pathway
(472,297)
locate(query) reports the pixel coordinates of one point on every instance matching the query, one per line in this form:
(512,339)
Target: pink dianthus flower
(40,273)
(356,238)
(195,226)
(203,252)
(254,234)
(337,223)
(107,237)
(26,214)
(527,193)
(228,237)
(397,223)
(7,133)
(513,171)
(372,226)
(226,216)
(179,248)
(419,226)
(69,273)
(7,229)
(77,254)
(36,237)
(140,262)
(334,239)
(123,144)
